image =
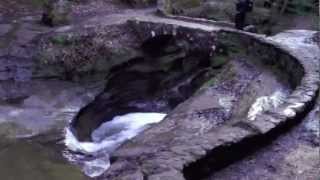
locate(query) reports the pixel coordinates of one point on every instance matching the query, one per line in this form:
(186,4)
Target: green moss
(233,44)
(219,61)
(219,75)
(62,40)
(210,83)
(166,62)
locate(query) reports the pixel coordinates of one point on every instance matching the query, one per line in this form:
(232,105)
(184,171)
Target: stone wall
(172,147)
(201,39)
(257,46)
(270,55)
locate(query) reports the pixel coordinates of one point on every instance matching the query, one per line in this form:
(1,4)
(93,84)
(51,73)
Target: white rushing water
(265,103)
(94,157)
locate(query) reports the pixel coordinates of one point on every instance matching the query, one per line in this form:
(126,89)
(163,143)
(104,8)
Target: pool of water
(29,160)
(33,115)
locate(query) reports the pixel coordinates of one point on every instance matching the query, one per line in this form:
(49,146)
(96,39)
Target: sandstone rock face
(86,51)
(56,12)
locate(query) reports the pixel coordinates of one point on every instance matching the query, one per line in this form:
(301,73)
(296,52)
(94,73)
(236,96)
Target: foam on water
(106,139)
(265,103)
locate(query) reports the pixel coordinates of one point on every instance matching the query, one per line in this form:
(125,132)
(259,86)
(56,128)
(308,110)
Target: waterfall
(93,156)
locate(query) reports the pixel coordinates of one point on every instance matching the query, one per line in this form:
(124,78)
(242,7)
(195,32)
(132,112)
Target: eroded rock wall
(85,51)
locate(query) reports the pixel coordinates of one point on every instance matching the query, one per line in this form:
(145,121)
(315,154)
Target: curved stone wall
(165,150)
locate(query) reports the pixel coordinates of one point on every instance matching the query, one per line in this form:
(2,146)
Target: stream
(93,157)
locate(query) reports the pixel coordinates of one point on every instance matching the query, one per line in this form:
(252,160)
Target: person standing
(242,8)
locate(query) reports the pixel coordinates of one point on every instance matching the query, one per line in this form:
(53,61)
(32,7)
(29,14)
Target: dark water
(23,160)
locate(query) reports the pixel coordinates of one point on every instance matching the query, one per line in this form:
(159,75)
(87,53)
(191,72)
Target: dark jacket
(244,6)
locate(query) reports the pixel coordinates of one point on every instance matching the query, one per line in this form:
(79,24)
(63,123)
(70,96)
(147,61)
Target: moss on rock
(56,12)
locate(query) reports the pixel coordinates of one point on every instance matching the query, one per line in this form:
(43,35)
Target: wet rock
(36,107)
(4,29)
(56,12)
(140,92)
(311,131)
(316,38)
(14,68)
(251,28)
(152,83)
